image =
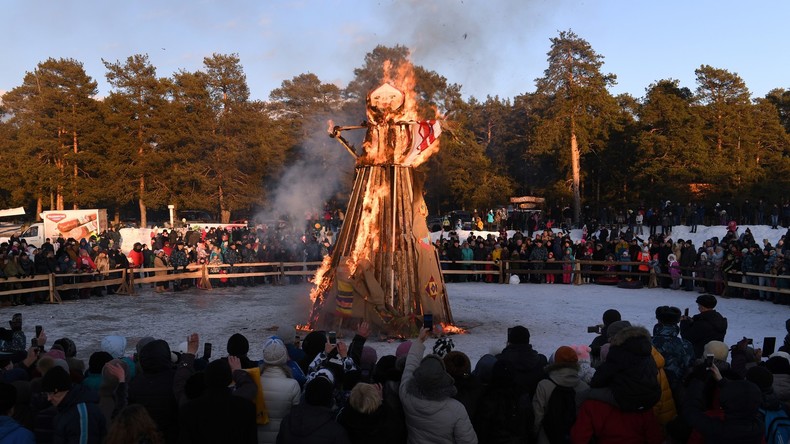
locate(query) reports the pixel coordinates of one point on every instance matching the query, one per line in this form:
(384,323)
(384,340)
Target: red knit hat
(565,355)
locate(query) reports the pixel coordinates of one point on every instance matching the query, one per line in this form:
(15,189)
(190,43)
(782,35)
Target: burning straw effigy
(384,268)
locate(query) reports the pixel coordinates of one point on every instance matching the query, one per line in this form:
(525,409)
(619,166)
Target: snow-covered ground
(555,315)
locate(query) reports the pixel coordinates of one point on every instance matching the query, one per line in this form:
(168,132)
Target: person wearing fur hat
(563,370)
(280,390)
(708,325)
(426,392)
(78,417)
(527,362)
(678,353)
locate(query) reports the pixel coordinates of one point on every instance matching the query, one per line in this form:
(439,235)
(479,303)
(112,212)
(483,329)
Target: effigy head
(385,100)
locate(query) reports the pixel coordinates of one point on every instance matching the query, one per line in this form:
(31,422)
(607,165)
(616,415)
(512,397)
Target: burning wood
(384,268)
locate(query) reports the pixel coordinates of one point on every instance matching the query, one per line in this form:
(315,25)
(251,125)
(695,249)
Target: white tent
(19,211)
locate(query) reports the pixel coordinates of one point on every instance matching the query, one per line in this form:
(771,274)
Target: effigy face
(386,99)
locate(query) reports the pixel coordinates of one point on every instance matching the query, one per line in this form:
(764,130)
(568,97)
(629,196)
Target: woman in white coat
(280,390)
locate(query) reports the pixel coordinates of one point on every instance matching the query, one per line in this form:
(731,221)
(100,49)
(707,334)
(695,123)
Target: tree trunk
(224,212)
(143,216)
(51,201)
(39,207)
(576,169)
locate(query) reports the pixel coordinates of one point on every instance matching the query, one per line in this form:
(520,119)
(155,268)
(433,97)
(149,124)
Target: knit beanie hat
(367,362)
(457,364)
(56,380)
(615,328)
(218,374)
(318,391)
(431,374)
(611,315)
(97,360)
(114,345)
(718,349)
(274,352)
(287,333)
(668,315)
(518,335)
(314,343)
(403,349)
(238,345)
(565,355)
(68,346)
(142,343)
(762,377)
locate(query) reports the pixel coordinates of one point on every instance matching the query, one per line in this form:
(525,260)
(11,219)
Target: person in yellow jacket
(664,409)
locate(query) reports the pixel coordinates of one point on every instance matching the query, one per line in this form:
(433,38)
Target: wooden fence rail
(125,279)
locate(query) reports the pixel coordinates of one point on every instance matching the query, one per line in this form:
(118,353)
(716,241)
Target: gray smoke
(323,168)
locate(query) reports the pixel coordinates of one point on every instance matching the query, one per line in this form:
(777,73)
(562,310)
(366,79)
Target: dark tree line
(197,140)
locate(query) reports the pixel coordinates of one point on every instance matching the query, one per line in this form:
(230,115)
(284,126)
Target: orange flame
(318,280)
(450,329)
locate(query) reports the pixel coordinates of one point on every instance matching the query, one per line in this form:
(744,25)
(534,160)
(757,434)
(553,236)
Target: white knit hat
(274,352)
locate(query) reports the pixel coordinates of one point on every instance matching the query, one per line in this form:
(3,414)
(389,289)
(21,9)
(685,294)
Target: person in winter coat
(678,353)
(607,424)
(153,388)
(664,409)
(79,418)
(312,421)
(628,378)
(426,392)
(11,432)
(609,316)
(562,371)
(280,391)
(708,325)
(674,271)
(527,363)
(739,401)
(217,415)
(502,415)
(366,418)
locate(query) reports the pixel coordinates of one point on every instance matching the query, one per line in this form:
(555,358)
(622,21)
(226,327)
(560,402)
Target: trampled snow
(555,314)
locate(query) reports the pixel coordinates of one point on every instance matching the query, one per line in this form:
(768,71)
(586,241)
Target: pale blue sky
(490,47)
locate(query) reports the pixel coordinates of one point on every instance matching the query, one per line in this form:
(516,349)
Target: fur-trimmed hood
(635,339)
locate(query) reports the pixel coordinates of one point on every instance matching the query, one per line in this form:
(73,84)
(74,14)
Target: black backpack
(560,414)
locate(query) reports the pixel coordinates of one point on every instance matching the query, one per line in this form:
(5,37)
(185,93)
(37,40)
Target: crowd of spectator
(676,383)
(550,256)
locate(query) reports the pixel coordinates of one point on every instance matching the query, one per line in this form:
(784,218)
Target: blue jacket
(13,433)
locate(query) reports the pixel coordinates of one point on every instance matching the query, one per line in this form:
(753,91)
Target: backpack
(560,414)
(777,426)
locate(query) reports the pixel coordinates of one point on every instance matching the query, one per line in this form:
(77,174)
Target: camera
(686,312)
(332,337)
(709,360)
(595,329)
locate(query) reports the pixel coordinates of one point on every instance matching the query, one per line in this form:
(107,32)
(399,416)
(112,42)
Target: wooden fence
(52,284)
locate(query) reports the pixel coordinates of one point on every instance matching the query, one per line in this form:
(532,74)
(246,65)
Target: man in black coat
(312,421)
(79,418)
(526,362)
(153,388)
(217,415)
(708,325)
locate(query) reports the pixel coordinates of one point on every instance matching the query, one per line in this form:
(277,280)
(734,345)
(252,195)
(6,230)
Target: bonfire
(384,268)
